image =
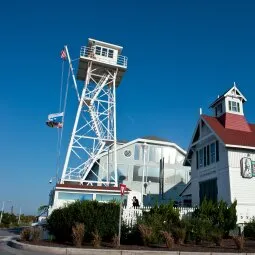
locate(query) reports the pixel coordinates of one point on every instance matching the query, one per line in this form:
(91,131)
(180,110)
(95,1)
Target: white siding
(217,170)
(242,189)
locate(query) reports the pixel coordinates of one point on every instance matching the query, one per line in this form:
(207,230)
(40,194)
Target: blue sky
(182,54)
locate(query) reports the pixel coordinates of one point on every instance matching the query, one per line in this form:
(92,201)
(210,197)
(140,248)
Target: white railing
(129,215)
(89,52)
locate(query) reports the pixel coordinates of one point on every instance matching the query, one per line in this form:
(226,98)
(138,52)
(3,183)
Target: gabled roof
(231,137)
(239,136)
(237,93)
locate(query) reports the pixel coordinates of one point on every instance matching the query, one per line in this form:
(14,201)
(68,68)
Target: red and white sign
(122,189)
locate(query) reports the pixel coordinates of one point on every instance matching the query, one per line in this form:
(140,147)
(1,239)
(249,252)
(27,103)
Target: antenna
(200,111)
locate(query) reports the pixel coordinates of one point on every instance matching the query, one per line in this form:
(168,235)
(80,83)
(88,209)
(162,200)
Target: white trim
(220,140)
(90,190)
(239,146)
(202,139)
(199,140)
(112,46)
(190,145)
(240,94)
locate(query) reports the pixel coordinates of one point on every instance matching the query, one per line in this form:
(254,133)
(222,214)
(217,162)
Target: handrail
(89,52)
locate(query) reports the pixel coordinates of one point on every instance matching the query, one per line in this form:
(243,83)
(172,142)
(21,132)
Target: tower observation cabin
(104,56)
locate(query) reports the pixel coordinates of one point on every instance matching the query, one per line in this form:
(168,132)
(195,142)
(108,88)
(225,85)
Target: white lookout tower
(101,67)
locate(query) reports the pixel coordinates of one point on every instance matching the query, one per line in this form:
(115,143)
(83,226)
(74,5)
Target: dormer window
(233,106)
(218,110)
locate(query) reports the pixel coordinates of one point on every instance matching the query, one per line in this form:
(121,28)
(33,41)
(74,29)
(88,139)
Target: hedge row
(101,217)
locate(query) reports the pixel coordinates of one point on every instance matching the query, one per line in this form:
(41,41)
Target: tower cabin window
(234,106)
(104,52)
(98,50)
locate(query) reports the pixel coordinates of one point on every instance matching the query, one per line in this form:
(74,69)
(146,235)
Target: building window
(204,156)
(157,154)
(152,154)
(127,153)
(217,151)
(98,50)
(150,174)
(218,109)
(197,159)
(110,54)
(104,52)
(208,155)
(107,198)
(209,190)
(137,151)
(74,196)
(201,158)
(122,173)
(212,150)
(234,106)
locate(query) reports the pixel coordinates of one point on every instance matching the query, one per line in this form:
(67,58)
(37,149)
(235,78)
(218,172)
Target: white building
(138,168)
(222,156)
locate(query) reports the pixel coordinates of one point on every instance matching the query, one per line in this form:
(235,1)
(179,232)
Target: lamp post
(19,215)
(144,145)
(2,211)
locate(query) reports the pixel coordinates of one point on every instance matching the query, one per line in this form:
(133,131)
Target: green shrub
(239,242)
(25,234)
(216,235)
(130,235)
(96,242)
(146,233)
(8,219)
(249,229)
(179,234)
(168,239)
(115,241)
(161,218)
(35,234)
(78,234)
(219,214)
(200,229)
(94,215)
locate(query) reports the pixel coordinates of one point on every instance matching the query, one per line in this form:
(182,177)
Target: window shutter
(217,151)
(205,156)
(197,158)
(208,155)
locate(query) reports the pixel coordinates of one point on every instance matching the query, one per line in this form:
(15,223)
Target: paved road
(6,250)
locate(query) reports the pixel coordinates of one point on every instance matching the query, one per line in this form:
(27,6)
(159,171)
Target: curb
(80,251)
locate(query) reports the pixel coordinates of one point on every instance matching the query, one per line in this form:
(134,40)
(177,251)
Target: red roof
(234,121)
(233,130)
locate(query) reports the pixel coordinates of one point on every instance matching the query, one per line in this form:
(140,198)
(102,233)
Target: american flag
(63,54)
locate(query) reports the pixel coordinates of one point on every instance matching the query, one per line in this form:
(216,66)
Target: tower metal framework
(101,68)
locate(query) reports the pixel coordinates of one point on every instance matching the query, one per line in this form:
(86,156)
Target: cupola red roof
(234,121)
(232,130)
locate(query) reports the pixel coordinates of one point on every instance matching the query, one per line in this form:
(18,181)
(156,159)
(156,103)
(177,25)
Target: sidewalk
(80,251)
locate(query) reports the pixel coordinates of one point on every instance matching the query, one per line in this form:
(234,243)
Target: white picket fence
(129,215)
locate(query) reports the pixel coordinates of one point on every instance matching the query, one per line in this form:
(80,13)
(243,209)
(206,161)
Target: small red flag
(63,54)
(122,189)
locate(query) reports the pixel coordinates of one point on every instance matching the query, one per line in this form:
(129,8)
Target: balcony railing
(89,52)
